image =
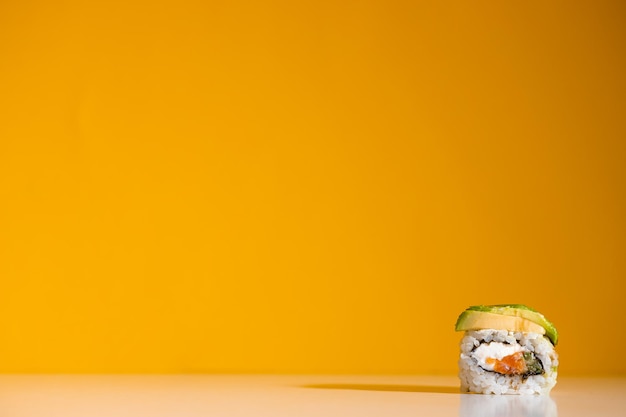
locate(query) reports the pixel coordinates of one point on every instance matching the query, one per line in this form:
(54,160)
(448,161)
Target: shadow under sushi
(386,387)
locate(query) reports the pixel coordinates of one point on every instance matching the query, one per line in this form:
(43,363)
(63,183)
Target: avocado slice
(515,317)
(476,320)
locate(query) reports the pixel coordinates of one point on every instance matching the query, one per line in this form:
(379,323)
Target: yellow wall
(204,186)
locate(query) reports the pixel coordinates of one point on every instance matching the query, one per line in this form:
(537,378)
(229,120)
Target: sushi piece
(507,349)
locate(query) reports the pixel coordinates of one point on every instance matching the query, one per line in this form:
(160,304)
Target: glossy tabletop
(216,395)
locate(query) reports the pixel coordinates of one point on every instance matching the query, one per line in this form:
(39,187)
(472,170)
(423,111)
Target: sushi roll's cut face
(503,362)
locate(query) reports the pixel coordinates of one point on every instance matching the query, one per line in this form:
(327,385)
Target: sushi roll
(507,349)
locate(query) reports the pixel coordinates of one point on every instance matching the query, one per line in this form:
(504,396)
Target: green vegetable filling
(533,365)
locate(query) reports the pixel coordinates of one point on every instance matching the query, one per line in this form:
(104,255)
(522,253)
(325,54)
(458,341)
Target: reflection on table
(477,405)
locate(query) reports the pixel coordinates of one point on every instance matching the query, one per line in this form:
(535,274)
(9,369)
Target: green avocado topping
(516,310)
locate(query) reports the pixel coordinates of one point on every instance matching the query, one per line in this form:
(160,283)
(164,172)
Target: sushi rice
(478,376)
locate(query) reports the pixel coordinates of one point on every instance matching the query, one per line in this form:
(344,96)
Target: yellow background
(319,186)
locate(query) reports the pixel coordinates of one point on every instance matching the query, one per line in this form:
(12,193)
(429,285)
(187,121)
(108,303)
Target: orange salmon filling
(509,365)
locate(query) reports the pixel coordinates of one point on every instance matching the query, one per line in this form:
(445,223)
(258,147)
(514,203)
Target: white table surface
(302,396)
